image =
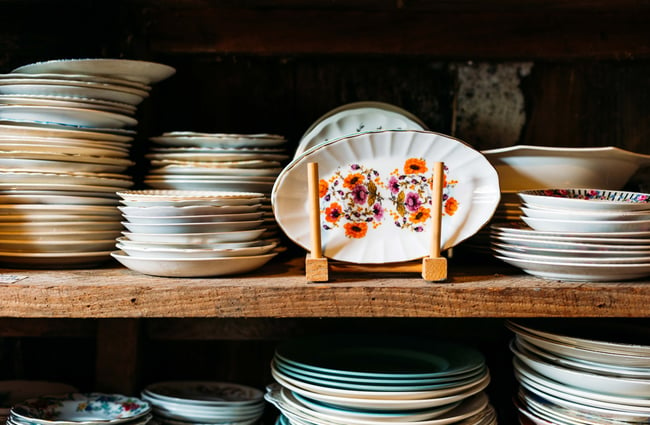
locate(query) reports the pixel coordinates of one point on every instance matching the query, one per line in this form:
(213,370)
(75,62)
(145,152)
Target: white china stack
(65,133)
(379,379)
(573,378)
(578,234)
(193,233)
(204,402)
(81,408)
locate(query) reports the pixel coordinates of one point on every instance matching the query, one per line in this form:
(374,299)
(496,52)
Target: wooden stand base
(316,269)
(434,269)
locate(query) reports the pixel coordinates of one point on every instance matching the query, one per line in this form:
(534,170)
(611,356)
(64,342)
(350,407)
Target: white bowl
(586,199)
(192,267)
(537,167)
(588,215)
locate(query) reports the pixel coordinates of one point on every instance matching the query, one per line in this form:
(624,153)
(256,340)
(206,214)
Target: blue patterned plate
(80,408)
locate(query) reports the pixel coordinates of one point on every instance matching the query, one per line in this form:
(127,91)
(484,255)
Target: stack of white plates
(65,133)
(193,233)
(81,408)
(370,380)
(578,234)
(573,379)
(16,391)
(185,160)
(199,402)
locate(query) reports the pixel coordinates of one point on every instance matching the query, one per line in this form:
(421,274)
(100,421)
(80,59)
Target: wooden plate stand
(434,267)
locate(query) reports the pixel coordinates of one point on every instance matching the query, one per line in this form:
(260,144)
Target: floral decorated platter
(375,195)
(81,408)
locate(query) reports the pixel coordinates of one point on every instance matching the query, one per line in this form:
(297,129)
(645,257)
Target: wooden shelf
(281,291)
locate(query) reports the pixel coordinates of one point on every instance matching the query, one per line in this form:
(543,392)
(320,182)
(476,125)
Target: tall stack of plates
(371,380)
(81,408)
(578,234)
(193,233)
(573,378)
(65,130)
(201,402)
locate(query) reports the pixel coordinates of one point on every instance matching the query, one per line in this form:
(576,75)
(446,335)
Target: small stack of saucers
(204,402)
(185,160)
(15,391)
(572,377)
(578,234)
(372,380)
(65,133)
(193,233)
(81,408)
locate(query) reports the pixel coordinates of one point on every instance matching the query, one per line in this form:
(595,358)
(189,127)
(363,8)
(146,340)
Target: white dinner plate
(197,238)
(41,146)
(592,226)
(623,238)
(210,184)
(586,199)
(568,258)
(23,129)
(60,246)
(90,179)
(557,270)
(216,157)
(127,69)
(189,210)
(348,122)
(80,117)
(587,252)
(115,93)
(61,101)
(188,219)
(192,267)
(171,170)
(153,251)
(545,243)
(54,260)
(79,78)
(596,215)
(225,226)
(375,195)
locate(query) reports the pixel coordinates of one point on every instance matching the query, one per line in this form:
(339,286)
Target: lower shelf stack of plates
(204,402)
(81,409)
(176,233)
(572,378)
(373,380)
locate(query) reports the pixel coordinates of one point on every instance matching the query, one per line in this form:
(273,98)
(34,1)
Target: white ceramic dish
(193,267)
(572,259)
(197,238)
(22,129)
(205,184)
(58,209)
(126,69)
(98,179)
(366,104)
(57,237)
(251,163)
(524,167)
(172,170)
(26,246)
(226,226)
(557,270)
(586,199)
(51,125)
(55,227)
(30,146)
(57,197)
(153,251)
(354,121)
(214,197)
(62,88)
(54,260)
(565,252)
(619,238)
(184,139)
(65,115)
(60,101)
(241,155)
(549,243)
(54,218)
(581,226)
(176,245)
(204,393)
(384,180)
(188,219)
(190,210)
(547,213)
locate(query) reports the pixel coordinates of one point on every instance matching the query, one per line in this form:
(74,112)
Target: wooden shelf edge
(281,291)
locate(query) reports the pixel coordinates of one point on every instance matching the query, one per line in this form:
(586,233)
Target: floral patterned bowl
(586,199)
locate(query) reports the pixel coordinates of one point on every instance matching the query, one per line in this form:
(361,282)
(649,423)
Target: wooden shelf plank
(280,290)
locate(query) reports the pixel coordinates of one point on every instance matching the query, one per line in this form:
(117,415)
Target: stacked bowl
(375,379)
(193,233)
(81,408)
(578,234)
(572,378)
(65,132)
(204,402)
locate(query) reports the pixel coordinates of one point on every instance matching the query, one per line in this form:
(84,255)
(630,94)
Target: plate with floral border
(81,408)
(375,197)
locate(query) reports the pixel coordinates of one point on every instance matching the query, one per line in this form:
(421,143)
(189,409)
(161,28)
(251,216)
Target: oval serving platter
(375,195)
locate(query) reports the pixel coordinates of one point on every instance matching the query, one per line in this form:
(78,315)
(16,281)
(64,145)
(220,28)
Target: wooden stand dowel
(434,267)
(316,267)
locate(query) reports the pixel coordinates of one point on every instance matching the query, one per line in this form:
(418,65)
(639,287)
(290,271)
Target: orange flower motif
(322,187)
(333,213)
(415,166)
(356,230)
(451,206)
(420,216)
(353,180)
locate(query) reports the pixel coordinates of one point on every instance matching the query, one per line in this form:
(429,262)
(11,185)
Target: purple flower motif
(419,229)
(378,212)
(355,166)
(412,202)
(393,185)
(360,194)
